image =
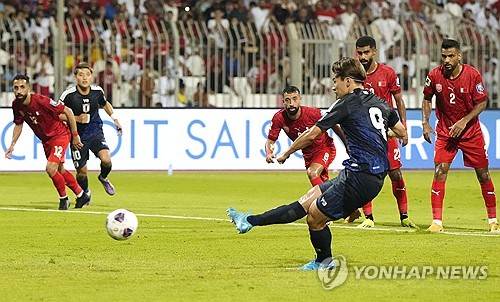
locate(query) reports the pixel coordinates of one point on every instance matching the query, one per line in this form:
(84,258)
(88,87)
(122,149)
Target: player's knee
(395,174)
(81,174)
(312,174)
(51,170)
(483,176)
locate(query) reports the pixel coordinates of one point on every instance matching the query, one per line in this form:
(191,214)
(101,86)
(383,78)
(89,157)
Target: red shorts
(55,148)
(394,154)
(473,149)
(323,157)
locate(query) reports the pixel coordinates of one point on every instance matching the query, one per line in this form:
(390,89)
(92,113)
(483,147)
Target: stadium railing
(244,67)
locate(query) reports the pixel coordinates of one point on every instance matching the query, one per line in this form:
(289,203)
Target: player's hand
(119,129)
(282,158)
(404,141)
(427,130)
(77,143)
(270,158)
(457,128)
(83,118)
(8,153)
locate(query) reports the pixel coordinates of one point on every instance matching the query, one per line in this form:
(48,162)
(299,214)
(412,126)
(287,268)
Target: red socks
(367,209)
(71,182)
(60,184)
(437,197)
(316,181)
(490,200)
(399,191)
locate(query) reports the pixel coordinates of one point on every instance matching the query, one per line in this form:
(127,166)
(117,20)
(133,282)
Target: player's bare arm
(460,125)
(304,140)
(400,105)
(15,136)
(83,118)
(109,110)
(77,143)
(399,131)
(269,148)
(426,113)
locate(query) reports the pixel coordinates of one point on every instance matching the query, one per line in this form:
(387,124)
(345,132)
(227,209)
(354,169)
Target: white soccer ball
(121,224)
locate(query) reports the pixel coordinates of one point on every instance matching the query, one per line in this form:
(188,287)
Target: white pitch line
(477,234)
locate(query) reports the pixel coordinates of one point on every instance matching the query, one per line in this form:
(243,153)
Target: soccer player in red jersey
(460,98)
(42,114)
(295,119)
(382,81)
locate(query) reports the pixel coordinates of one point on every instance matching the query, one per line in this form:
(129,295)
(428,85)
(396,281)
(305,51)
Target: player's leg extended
(105,158)
(282,214)
(490,201)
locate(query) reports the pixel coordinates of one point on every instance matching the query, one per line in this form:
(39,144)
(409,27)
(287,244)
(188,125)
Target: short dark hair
(349,67)
(450,43)
(21,77)
(366,41)
(82,65)
(291,89)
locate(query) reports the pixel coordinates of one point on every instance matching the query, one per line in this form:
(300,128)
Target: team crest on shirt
(439,87)
(480,88)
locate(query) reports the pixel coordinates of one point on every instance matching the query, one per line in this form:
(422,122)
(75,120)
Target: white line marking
(478,234)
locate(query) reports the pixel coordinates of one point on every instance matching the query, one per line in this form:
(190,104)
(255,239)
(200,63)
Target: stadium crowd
(130,43)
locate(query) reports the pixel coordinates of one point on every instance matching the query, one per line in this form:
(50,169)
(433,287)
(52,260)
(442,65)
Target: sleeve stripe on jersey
(96,87)
(66,92)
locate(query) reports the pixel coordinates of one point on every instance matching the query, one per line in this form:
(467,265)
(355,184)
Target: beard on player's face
(292,110)
(21,97)
(366,63)
(449,68)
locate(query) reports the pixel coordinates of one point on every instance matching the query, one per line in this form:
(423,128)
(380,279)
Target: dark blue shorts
(348,191)
(94,144)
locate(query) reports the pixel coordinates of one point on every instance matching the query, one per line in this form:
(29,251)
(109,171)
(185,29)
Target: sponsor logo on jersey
(480,88)
(382,83)
(464,90)
(439,87)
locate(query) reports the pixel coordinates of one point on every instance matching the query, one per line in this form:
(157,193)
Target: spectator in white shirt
(390,32)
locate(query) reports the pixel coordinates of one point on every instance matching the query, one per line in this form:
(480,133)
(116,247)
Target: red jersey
(383,82)
(42,115)
(293,128)
(455,98)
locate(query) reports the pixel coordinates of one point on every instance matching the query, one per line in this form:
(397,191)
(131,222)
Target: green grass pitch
(187,250)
